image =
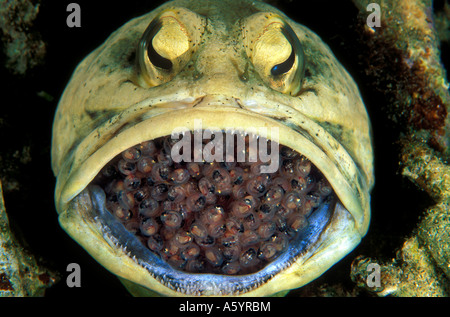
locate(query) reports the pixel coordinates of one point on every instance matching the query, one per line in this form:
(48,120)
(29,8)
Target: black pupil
(285,66)
(157,59)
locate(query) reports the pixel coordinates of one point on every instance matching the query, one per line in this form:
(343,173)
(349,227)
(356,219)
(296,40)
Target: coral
(24,49)
(20,272)
(411,274)
(404,63)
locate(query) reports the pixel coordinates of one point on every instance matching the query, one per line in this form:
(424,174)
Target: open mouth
(222,226)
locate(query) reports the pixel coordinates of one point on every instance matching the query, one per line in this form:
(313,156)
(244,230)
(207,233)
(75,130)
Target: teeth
(211,217)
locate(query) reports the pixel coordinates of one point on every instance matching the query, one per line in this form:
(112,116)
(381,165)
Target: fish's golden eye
(167,45)
(275,51)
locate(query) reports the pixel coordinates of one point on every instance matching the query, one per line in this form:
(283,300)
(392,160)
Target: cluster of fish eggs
(211,217)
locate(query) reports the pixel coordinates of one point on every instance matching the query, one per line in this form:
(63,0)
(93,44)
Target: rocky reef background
(399,67)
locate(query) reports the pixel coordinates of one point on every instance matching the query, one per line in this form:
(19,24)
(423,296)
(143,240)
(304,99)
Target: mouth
(221,226)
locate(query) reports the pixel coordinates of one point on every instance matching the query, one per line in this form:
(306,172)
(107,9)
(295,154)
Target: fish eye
(275,51)
(167,45)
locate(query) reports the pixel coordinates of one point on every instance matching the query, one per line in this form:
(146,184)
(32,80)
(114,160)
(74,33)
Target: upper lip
(217,100)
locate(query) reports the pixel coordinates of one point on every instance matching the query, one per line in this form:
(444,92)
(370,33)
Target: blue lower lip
(198,284)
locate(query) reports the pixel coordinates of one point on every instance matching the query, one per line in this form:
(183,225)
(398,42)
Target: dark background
(26,122)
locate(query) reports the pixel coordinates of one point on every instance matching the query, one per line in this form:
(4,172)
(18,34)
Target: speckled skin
(104,110)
